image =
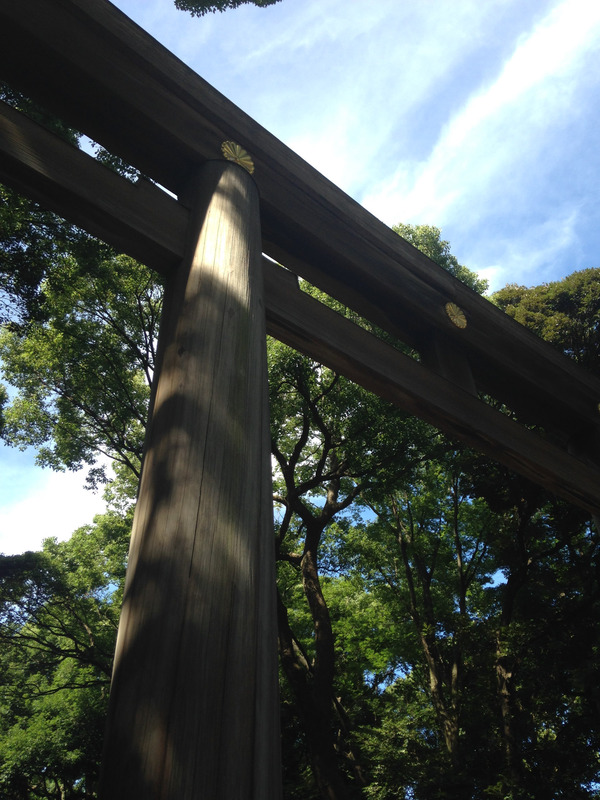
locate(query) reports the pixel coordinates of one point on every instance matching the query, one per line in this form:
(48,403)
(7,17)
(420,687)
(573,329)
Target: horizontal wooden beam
(105,75)
(146,223)
(319,332)
(136,218)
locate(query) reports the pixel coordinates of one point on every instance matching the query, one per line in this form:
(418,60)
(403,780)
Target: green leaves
(198,8)
(59,611)
(82,373)
(566,313)
(454,592)
(427,239)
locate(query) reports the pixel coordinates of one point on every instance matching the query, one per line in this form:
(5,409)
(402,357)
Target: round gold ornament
(234,152)
(456,315)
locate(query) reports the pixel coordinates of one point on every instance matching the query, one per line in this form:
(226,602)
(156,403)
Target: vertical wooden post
(194,703)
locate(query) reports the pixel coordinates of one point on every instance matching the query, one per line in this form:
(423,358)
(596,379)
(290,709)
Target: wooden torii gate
(194,695)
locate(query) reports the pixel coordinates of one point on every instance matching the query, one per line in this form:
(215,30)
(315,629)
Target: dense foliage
(427,239)
(198,8)
(59,610)
(83,365)
(447,645)
(566,313)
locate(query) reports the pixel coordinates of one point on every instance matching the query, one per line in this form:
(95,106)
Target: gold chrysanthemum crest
(456,315)
(234,152)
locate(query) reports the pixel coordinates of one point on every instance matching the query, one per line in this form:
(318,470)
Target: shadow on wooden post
(194,701)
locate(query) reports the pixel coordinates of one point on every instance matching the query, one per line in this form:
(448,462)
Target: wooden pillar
(194,711)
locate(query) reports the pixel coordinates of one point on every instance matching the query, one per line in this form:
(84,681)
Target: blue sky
(481,118)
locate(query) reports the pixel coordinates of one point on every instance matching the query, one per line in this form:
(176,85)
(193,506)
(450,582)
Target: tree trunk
(314,709)
(440,685)
(504,680)
(194,698)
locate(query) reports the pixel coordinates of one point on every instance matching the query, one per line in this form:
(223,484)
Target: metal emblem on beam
(456,315)
(234,152)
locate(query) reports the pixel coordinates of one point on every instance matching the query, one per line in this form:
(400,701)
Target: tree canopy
(566,313)
(59,611)
(427,239)
(428,599)
(197,8)
(83,366)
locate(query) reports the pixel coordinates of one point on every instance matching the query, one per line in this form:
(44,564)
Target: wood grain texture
(108,77)
(136,218)
(194,704)
(448,360)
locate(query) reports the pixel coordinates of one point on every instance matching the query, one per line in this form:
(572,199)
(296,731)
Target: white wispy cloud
(498,142)
(535,258)
(344,94)
(487,134)
(56,507)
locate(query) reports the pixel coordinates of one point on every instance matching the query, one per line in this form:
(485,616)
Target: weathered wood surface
(110,78)
(148,224)
(194,703)
(137,218)
(334,341)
